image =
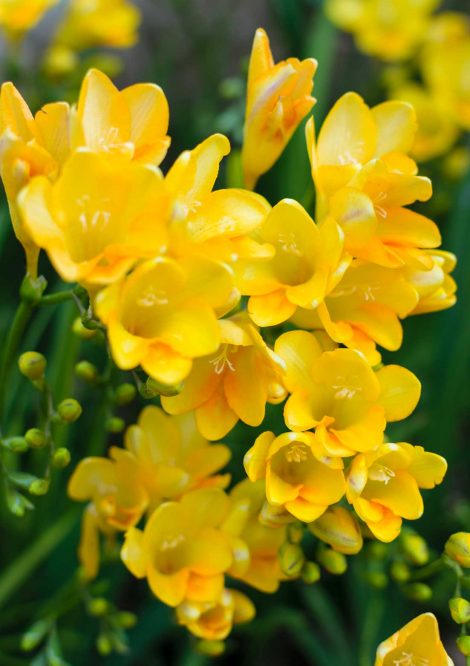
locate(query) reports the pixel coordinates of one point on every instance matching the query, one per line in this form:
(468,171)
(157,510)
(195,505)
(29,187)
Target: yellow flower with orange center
(418,642)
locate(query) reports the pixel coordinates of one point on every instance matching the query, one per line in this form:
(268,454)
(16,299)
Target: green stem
(429,570)
(58,297)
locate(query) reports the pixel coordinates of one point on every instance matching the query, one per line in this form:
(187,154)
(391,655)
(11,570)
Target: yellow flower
(163,315)
(364,179)
(307,264)
(19,16)
(263,570)
(216,224)
(97,218)
(214,620)
(339,529)
(233,383)
(93,23)
(295,479)
(181,551)
(366,307)
(340,396)
(387,29)
(383,485)
(132,122)
(278,98)
(435,287)
(418,642)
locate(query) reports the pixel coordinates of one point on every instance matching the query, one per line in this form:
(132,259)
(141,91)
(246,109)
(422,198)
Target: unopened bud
(84,333)
(460,610)
(115,424)
(458,548)
(295,532)
(291,559)
(339,529)
(98,606)
(311,573)
(39,487)
(104,645)
(61,458)
(125,393)
(463,644)
(400,572)
(377,550)
(69,410)
(36,438)
(414,547)
(32,365)
(334,562)
(15,444)
(126,620)
(417,591)
(210,648)
(86,371)
(152,388)
(274,516)
(377,579)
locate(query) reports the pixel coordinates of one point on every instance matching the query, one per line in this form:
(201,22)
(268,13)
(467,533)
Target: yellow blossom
(388,29)
(233,383)
(295,479)
(340,396)
(436,288)
(19,16)
(383,485)
(339,529)
(163,315)
(181,551)
(418,642)
(214,620)
(307,264)
(278,98)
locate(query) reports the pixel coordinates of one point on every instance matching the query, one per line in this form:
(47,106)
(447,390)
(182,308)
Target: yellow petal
(134,554)
(149,117)
(255,458)
(396,127)
(400,391)
(166,365)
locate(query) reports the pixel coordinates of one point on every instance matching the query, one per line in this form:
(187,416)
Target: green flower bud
(334,562)
(417,591)
(295,532)
(104,645)
(39,487)
(15,444)
(32,365)
(86,371)
(61,458)
(84,333)
(463,644)
(152,388)
(98,606)
(311,573)
(210,648)
(36,438)
(69,410)
(458,548)
(460,610)
(291,559)
(377,550)
(414,547)
(400,572)
(126,620)
(377,579)
(125,393)
(115,424)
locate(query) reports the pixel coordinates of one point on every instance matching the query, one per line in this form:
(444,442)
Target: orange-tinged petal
(303,510)
(271,309)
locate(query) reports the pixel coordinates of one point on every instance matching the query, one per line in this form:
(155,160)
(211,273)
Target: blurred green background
(197,50)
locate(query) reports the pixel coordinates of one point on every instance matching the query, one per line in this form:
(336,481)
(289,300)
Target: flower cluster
(228,304)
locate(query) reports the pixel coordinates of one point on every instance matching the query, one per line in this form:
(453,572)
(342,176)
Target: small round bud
(39,487)
(86,371)
(126,620)
(115,424)
(152,388)
(414,547)
(69,410)
(417,591)
(32,365)
(377,579)
(377,550)
(463,644)
(334,562)
(125,393)
(292,559)
(311,573)
(15,444)
(458,548)
(210,648)
(98,606)
(400,572)
(104,645)
(36,438)
(61,458)
(295,532)
(84,333)
(460,610)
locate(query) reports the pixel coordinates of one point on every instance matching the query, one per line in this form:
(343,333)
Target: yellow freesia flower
(295,479)
(278,98)
(235,382)
(263,570)
(340,396)
(418,642)
(388,29)
(181,551)
(97,218)
(383,485)
(91,23)
(213,223)
(214,620)
(364,179)
(339,529)
(19,16)
(435,287)
(164,314)
(307,264)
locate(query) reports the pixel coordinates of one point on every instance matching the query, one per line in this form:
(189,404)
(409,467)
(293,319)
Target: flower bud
(86,371)
(291,559)
(124,393)
(32,365)
(104,645)
(400,572)
(210,648)
(295,532)
(39,487)
(339,529)
(61,458)
(152,388)
(115,424)
(463,644)
(311,573)
(377,579)
(69,410)
(84,333)
(126,620)
(414,547)
(274,516)
(36,438)
(377,550)
(334,562)
(460,610)
(98,606)
(15,444)
(417,591)
(458,548)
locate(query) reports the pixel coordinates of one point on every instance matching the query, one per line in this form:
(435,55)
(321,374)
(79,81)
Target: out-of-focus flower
(181,551)
(278,98)
(97,218)
(307,264)
(164,314)
(233,383)
(295,479)
(383,485)
(387,29)
(214,620)
(435,287)
(340,396)
(338,528)
(418,642)
(458,548)
(19,16)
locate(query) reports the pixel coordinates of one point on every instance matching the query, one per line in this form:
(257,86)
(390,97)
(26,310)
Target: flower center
(221,361)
